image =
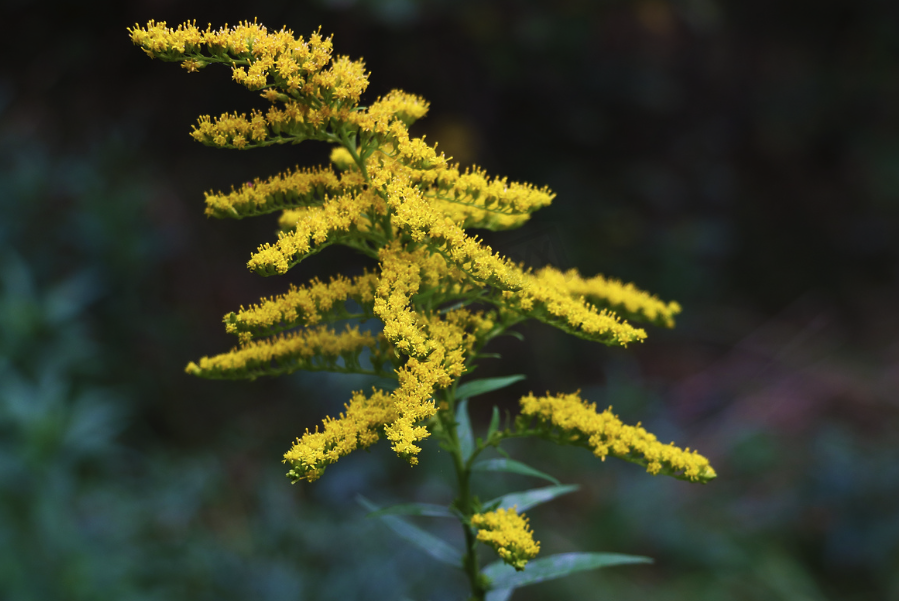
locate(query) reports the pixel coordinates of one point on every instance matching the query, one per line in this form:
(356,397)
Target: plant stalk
(464,505)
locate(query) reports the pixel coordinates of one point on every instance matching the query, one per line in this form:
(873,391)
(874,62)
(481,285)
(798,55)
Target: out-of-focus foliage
(742,152)
(91,506)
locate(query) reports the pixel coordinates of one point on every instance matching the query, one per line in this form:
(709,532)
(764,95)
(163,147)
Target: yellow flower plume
(357,427)
(568,419)
(398,200)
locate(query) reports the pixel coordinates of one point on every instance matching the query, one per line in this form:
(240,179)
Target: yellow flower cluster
(283,191)
(471,199)
(314,349)
(317,92)
(357,427)
(320,225)
(269,58)
(232,130)
(294,123)
(625,299)
(342,158)
(398,200)
(448,340)
(397,104)
(521,291)
(436,346)
(303,306)
(575,421)
(509,534)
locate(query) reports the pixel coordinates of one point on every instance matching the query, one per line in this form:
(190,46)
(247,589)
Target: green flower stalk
(440,293)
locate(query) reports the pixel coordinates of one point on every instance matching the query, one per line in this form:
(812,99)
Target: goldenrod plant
(439,293)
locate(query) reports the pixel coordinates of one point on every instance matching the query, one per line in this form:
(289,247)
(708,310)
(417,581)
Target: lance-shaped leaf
(422,509)
(494,423)
(430,544)
(523,501)
(463,430)
(485,385)
(511,466)
(504,579)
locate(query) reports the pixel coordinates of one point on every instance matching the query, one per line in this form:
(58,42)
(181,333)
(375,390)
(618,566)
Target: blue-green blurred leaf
(505,578)
(499,594)
(69,298)
(423,509)
(463,429)
(494,422)
(511,466)
(430,544)
(485,385)
(531,498)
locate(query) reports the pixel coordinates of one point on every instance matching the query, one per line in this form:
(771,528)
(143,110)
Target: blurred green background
(739,156)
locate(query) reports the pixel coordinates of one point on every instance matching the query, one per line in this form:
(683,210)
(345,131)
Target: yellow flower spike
(625,299)
(231,130)
(524,292)
(306,305)
(313,349)
(319,225)
(357,427)
(285,190)
(471,199)
(509,534)
(568,417)
(400,280)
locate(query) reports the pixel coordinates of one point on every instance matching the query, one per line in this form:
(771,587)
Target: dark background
(741,157)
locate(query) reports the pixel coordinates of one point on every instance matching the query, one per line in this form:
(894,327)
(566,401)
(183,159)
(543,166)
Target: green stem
(464,502)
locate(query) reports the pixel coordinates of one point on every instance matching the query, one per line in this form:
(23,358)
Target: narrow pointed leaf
(511,466)
(484,385)
(463,429)
(430,544)
(531,498)
(423,509)
(503,577)
(494,423)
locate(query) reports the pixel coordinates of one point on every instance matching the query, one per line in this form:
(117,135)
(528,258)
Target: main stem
(463,504)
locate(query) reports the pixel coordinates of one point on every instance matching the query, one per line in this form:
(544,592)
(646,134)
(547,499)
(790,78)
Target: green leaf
(484,385)
(494,423)
(463,430)
(511,466)
(433,546)
(514,334)
(504,577)
(499,594)
(423,509)
(531,498)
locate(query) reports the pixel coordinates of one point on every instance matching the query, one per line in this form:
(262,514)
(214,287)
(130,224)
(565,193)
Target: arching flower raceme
(568,419)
